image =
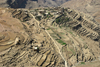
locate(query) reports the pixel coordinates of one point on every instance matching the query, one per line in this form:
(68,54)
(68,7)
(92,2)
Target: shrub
(48,29)
(62,19)
(38,18)
(61,42)
(57,20)
(82,62)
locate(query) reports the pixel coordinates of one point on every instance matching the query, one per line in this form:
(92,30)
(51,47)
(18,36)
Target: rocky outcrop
(17,3)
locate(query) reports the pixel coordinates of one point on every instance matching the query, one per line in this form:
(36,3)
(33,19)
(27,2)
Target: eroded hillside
(90,7)
(18,41)
(48,37)
(76,34)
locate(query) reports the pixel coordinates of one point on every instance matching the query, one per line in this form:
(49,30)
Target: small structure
(46,13)
(36,49)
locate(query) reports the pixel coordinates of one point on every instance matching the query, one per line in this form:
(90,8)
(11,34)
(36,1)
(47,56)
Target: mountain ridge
(31,3)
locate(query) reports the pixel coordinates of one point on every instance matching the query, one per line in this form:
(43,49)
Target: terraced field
(17,49)
(76,37)
(61,38)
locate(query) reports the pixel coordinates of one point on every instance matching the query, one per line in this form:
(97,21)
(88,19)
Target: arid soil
(48,37)
(90,7)
(18,39)
(76,32)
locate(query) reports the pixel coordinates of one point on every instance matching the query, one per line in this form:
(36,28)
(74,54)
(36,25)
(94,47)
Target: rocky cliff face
(17,3)
(31,3)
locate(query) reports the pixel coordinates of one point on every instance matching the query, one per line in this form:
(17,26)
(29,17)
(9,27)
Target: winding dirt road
(52,40)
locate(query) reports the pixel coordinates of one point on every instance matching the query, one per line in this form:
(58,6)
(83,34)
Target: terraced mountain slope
(74,32)
(90,7)
(48,37)
(18,39)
